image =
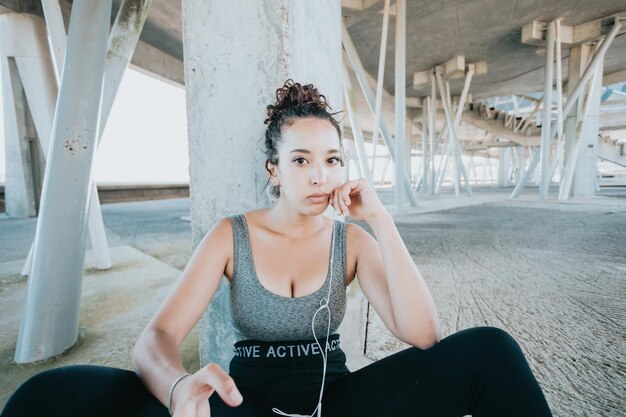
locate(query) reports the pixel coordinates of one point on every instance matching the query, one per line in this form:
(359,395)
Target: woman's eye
(336,159)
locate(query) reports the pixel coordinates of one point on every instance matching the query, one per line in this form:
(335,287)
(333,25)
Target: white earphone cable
(323,305)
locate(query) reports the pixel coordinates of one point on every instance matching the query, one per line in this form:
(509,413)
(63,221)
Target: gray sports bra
(260,314)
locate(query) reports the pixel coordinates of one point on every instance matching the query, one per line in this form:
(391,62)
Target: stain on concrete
(73,145)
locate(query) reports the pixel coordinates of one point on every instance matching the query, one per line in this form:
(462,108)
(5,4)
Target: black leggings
(480,371)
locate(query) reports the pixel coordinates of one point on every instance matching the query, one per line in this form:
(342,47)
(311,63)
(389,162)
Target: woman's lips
(319,199)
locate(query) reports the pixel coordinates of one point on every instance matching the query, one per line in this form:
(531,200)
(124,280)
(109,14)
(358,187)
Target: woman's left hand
(356,199)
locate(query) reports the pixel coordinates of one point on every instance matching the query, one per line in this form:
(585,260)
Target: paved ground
(551,274)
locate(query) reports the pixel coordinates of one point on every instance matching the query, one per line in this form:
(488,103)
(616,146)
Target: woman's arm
(387,274)
(156,355)
(393,284)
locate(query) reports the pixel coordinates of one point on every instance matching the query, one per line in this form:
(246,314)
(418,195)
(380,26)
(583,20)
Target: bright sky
(145,140)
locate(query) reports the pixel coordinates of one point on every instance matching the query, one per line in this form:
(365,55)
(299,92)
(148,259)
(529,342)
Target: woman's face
(309,164)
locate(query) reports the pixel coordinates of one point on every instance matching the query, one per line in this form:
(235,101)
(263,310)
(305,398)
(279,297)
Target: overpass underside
(508,93)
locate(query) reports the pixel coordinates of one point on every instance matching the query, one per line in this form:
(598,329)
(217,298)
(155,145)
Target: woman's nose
(318,176)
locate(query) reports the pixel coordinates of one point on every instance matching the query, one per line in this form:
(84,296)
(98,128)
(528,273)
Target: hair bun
(295,94)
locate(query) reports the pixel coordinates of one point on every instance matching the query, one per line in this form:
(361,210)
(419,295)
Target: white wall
(145,140)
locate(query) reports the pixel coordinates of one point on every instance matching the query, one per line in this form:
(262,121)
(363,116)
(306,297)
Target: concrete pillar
(49,322)
(29,93)
(586,172)
(237,53)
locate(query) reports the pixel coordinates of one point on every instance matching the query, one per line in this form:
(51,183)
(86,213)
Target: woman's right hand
(191,395)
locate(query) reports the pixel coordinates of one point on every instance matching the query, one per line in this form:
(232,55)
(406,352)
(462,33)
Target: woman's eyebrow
(307,151)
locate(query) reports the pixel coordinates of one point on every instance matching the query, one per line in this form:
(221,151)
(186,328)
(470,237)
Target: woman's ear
(271,169)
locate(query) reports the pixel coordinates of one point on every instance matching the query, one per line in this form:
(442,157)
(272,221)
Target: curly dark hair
(294,101)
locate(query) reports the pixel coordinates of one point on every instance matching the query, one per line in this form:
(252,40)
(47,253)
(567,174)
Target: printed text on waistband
(283,351)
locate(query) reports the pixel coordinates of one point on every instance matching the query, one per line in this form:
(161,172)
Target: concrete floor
(551,274)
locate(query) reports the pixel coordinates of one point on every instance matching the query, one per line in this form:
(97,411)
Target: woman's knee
(43,386)
(489,340)
(493,335)
(48,381)
(87,387)
(495,345)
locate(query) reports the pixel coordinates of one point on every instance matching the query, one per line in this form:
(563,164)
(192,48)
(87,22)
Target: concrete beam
(355,11)
(534,33)
(453,68)
(614,77)
(476,147)
(21,6)
(611,152)
(157,64)
(361,5)
(498,129)
(613,121)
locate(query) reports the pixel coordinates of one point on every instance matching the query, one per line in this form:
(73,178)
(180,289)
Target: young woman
(288,297)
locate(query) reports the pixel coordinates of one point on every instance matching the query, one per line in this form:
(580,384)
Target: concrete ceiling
(163,27)
(481,30)
(437,30)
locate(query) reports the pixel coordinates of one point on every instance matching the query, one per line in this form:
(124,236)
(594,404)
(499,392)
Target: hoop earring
(273,192)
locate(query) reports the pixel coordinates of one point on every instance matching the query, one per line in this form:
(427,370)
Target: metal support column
(424,144)
(589,71)
(379,82)
(121,45)
(57,38)
(559,96)
(572,134)
(361,77)
(49,322)
(124,36)
(432,126)
(455,174)
(526,175)
(357,133)
(592,98)
(457,122)
(579,58)
(503,167)
(400,101)
(568,109)
(456,149)
(546,137)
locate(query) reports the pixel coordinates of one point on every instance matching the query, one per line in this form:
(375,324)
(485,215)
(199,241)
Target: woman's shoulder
(355,232)
(356,235)
(254,215)
(249,216)
(255,218)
